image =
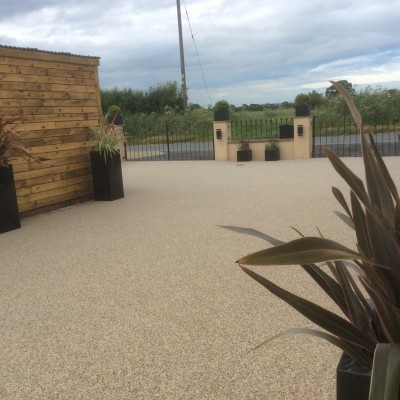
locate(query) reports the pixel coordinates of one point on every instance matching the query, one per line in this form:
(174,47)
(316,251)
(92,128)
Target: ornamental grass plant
(10,144)
(106,137)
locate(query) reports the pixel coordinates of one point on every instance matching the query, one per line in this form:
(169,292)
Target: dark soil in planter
(107,176)
(9,213)
(244,155)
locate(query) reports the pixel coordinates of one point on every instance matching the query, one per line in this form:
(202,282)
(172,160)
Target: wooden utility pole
(183,75)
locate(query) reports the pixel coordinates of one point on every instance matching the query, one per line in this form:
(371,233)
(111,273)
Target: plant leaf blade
(305,250)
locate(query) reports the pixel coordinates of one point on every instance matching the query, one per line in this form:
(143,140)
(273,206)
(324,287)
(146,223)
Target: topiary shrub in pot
(221,111)
(368,332)
(106,162)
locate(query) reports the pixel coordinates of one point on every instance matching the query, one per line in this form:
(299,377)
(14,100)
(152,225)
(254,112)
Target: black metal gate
(342,136)
(172,141)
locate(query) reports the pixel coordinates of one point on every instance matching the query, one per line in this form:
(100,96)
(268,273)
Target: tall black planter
(352,380)
(107,177)
(9,214)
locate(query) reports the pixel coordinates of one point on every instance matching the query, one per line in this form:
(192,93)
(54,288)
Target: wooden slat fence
(58,97)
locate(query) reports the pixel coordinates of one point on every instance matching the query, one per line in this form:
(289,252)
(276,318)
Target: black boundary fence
(258,129)
(171,141)
(342,136)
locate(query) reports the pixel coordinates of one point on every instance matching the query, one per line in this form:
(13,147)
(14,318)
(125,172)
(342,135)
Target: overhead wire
(197,53)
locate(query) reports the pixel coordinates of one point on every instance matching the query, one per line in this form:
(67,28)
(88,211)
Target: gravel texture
(141,298)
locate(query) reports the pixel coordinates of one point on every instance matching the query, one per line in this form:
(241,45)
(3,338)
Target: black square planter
(221,115)
(352,381)
(107,176)
(302,110)
(272,154)
(9,213)
(244,155)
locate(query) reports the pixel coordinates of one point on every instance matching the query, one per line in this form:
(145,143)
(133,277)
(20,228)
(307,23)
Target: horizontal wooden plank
(46,95)
(39,180)
(31,166)
(54,192)
(50,171)
(43,141)
(28,118)
(41,71)
(47,87)
(49,133)
(22,78)
(25,86)
(36,126)
(45,64)
(76,194)
(48,125)
(73,88)
(48,57)
(10,103)
(52,113)
(46,187)
(42,150)
(76,124)
(63,183)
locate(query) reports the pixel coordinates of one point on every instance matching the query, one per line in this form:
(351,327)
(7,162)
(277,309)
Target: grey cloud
(255,45)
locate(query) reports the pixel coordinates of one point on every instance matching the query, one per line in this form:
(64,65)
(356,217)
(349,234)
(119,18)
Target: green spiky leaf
(305,250)
(385,378)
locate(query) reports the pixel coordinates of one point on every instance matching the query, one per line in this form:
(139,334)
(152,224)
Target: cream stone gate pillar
(302,137)
(222,133)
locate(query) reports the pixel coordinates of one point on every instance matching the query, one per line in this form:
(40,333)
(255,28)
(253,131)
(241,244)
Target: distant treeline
(374,103)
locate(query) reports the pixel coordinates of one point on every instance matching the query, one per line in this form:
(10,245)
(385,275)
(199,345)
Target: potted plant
(106,161)
(369,330)
(114,113)
(272,151)
(244,152)
(221,111)
(9,146)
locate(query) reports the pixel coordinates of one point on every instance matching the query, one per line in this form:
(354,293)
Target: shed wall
(58,98)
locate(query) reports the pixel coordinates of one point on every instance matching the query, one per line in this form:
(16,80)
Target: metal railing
(171,141)
(258,129)
(342,136)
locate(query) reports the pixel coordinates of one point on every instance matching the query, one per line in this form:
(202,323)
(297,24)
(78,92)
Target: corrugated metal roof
(45,51)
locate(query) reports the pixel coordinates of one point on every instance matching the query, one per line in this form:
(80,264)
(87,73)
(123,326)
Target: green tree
(331,90)
(155,99)
(315,99)
(162,95)
(287,104)
(302,98)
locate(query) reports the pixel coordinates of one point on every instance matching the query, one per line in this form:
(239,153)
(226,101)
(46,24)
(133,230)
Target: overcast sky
(251,51)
